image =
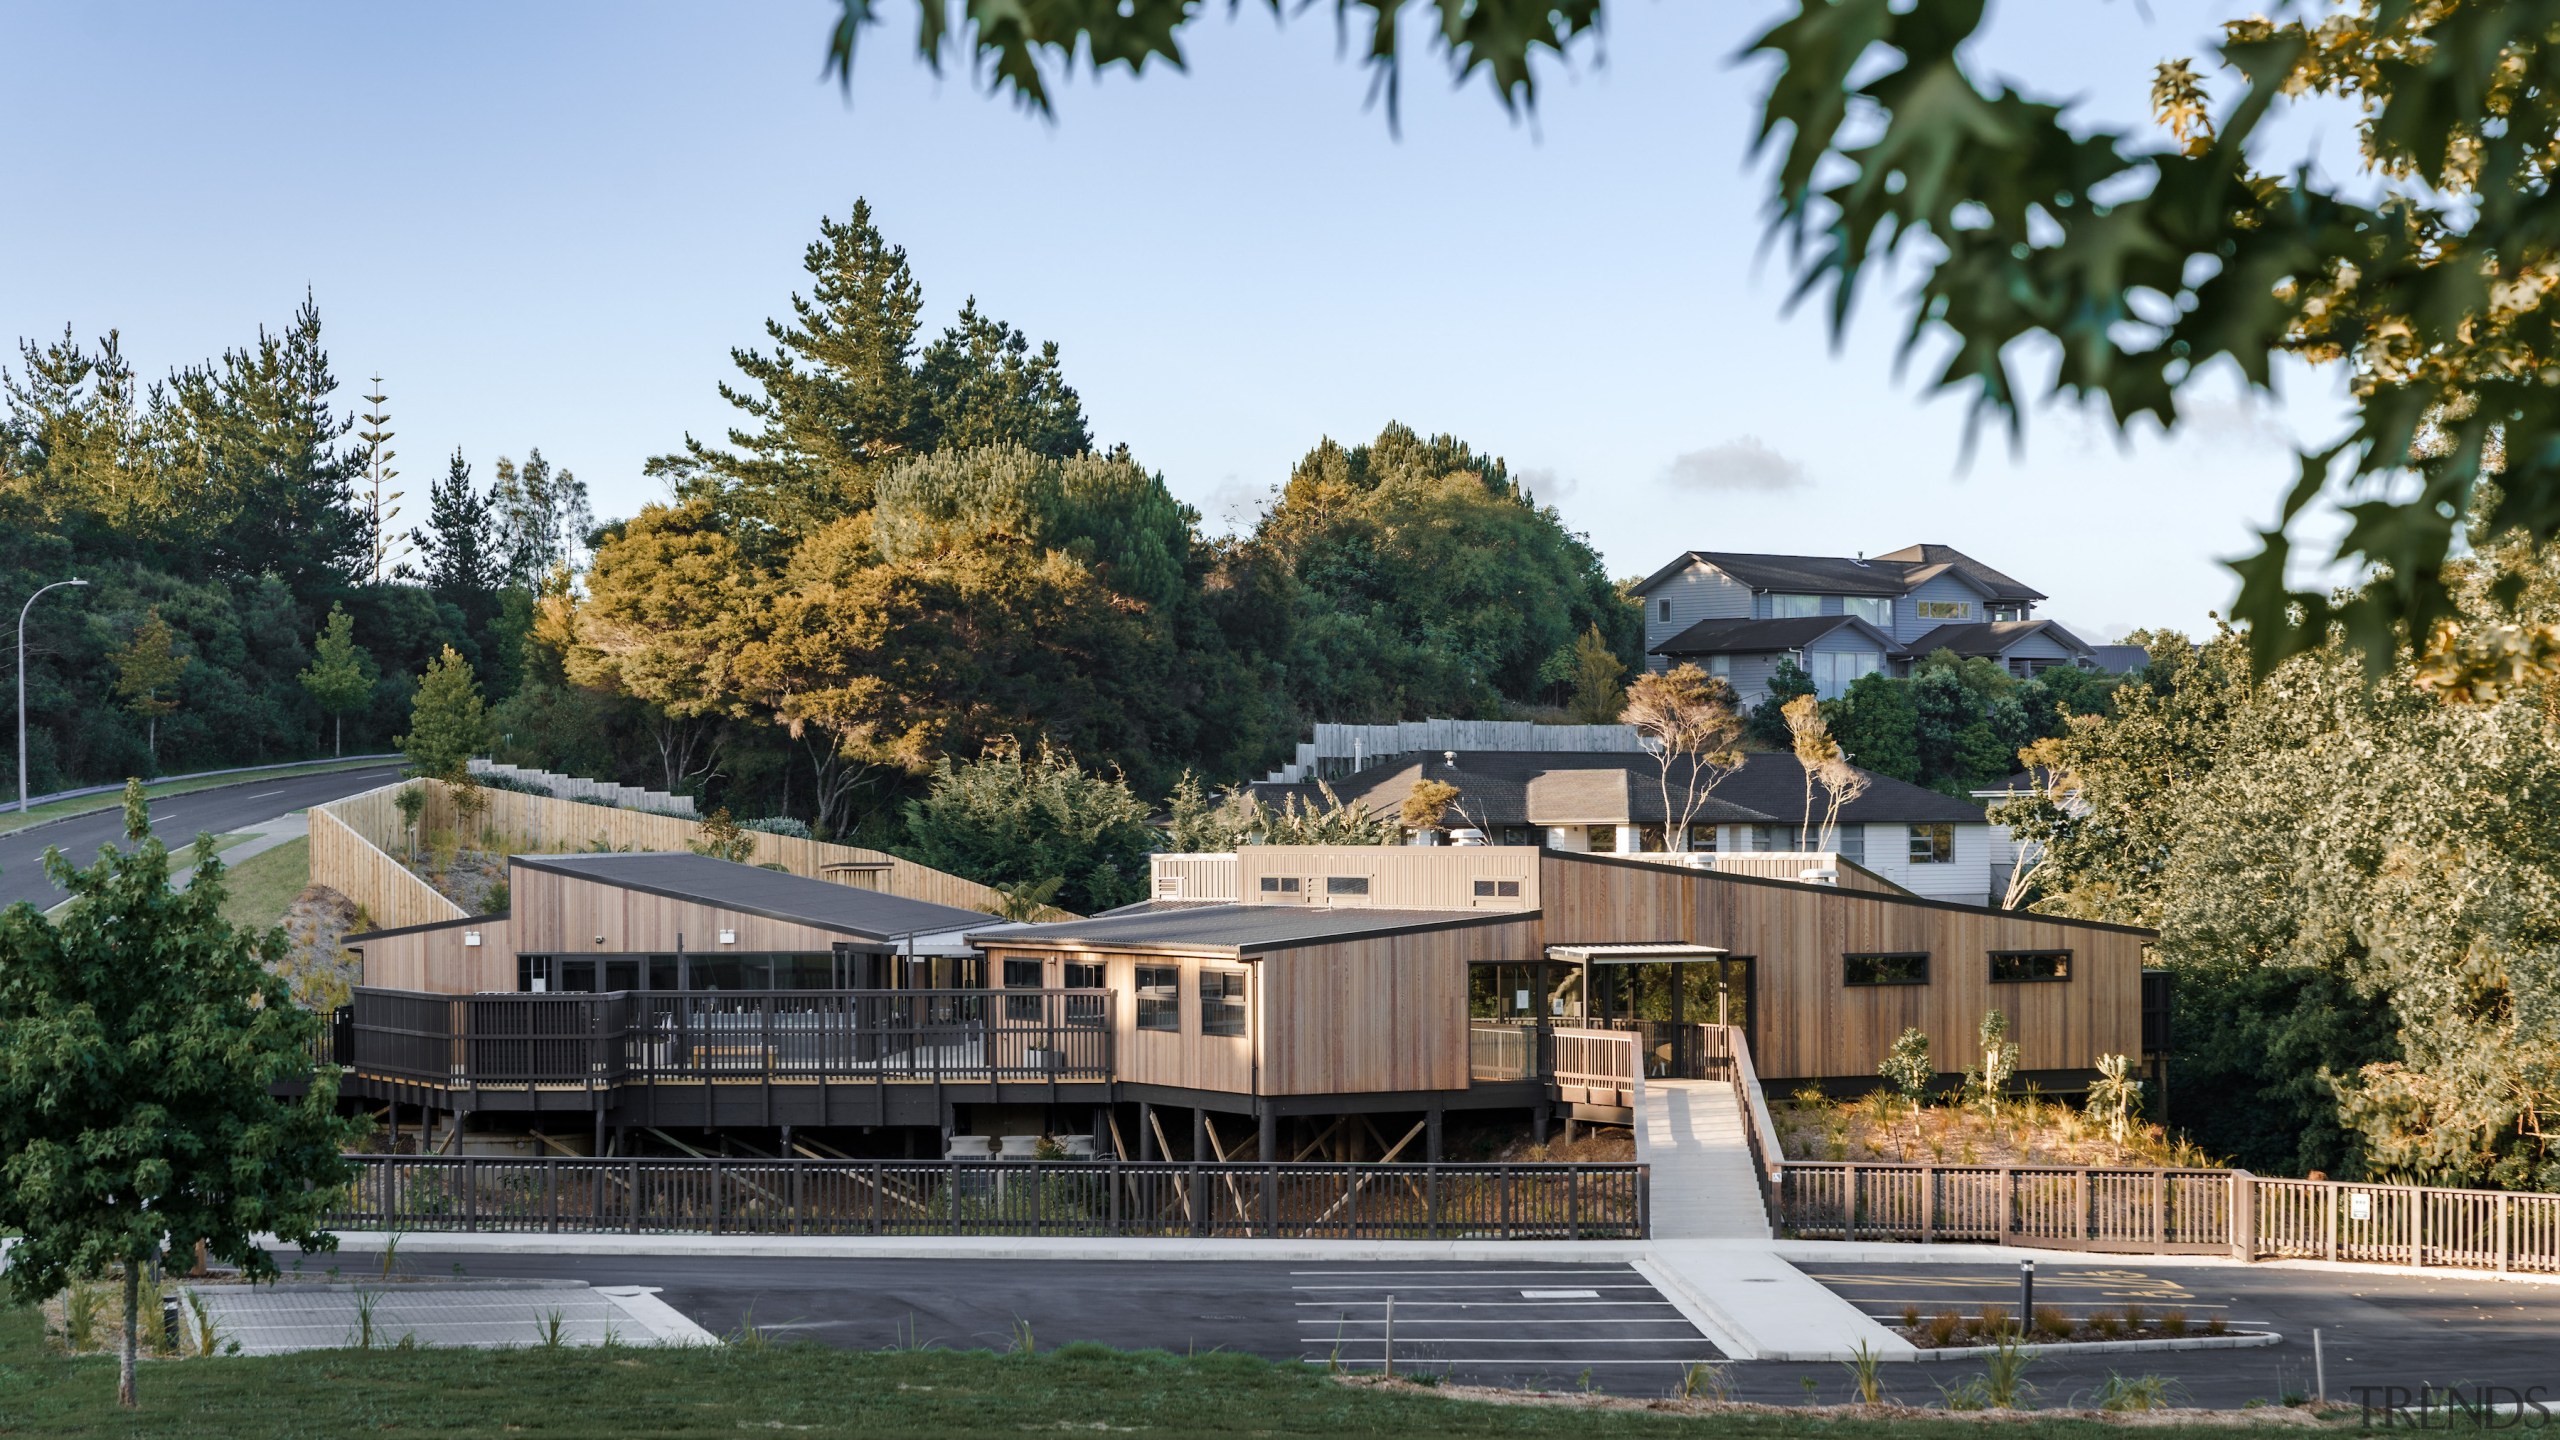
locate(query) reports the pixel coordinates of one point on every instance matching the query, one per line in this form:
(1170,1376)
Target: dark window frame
(1929,832)
(1230,984)
(1852,958)
(1279,884)
(1346,885)
(1162,1015)
(1996,956)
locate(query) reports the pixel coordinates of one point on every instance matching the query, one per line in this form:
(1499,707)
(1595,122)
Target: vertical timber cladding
(439,959)
(559,914)
(1183,1057)
(1375,1015)
(1807,1023)
(1400,877)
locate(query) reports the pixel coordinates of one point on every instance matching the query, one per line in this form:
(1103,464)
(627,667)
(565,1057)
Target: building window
(1720,666)
(1946,609)
(1933,844)
(1221,1002)
(1080,976)
(1022,975)
(2022,967)
(1907,968)
(1849,842)
(1520,835)
(1346,884)
(1876,610)
(1088,1011)
(1498,888)
(1600,839)
(1160,997)
(1794,607)
(1666,609)
(1835,671)
(1702,839)
(1279,884)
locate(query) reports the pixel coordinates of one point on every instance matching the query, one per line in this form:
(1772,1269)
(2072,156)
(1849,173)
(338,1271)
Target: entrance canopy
(1653,954)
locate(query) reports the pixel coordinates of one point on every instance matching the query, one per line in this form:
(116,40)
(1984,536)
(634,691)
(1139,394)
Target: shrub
(1911,1317)
(1993,1321)
(1944,1327)
(2106,1322)
(2173,1322)
(2053,1322)
(2133,1317)
(2216,1325)
(778,825)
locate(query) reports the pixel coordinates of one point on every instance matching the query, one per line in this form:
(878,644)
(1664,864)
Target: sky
(546,225)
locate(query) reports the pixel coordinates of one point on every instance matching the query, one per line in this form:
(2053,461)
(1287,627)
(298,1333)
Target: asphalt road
(1554,1325)
(177,820)
(2376,1329)
(1520,1324)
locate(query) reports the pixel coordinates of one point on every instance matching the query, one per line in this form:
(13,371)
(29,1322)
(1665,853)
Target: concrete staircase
(1690,1132)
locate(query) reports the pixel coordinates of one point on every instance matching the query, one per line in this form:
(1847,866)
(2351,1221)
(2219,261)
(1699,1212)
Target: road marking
(1481,1304)
(1430,1361)
(261,795)
(1559,1294)
(1453,1320)
(1554,1270)
(1408,1289)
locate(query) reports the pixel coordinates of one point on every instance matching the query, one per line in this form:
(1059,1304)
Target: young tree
(1598,679)
(1908,1069)
(448,721)
(341,673)
(144,1044)
(1689,716)
(1814,747)
(2116,1095)
(379,502)
(459,547)
(2036,819)
(1787,680)
(1007,818)
(1999,1060)
(146,668)
(1841,783)
(412,802)
(1426,805)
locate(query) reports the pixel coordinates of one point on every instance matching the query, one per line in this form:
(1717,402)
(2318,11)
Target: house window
(1600,839)
(1702,838)
(1022,975)
(1666,609)
(1499,889)
(1794,607)
(1903,968)
(1081,976)
(1835,671)
(1933,844)
(1160,997)
(1279,884)
(2021,967)
(1090,1011)
(1346,884)
(1520,835)
(1720,666)
(1221,1002)
(1946,609)
(1849,842)
(1876,610)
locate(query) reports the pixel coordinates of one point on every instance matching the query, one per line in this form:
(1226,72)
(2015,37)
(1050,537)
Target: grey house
(1738,615)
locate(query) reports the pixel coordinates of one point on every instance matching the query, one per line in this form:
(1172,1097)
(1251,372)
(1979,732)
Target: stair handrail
(1768,1158)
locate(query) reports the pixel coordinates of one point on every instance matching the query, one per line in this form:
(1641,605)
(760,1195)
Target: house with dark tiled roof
(1738,615)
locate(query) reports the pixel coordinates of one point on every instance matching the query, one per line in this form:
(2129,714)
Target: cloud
(1738,466)
(1545,483)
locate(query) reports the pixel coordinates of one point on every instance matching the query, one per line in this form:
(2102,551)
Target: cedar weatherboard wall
(557,914)
(1364,1017)
(1184,1058)
(438,959)
(1807,1024)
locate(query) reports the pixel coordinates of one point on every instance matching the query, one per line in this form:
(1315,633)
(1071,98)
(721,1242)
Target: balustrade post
(2329,1221)
(631,1197)
(879,1202)
(550,1195)
(715,1197)
(1431,1202)
(1114,1210)
(2417,1227)
(1573,1202)
(2504,1250)
(2085,1222)
(799,1169)
(2008,1203)
(2244,1215)
(1198,1183)
(470,1194)
(1928,1200)
(955,1189)
(1849,1204)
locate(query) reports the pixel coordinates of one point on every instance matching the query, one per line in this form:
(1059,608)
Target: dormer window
(1792,607)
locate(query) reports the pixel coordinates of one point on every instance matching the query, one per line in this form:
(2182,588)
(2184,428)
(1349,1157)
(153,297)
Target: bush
(515,783)
(779,825)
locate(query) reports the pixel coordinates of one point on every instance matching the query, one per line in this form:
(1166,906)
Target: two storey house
(1739,615)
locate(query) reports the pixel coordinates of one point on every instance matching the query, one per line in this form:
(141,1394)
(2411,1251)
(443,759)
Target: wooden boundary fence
(974,1197)
(2168,1212)
(353,863)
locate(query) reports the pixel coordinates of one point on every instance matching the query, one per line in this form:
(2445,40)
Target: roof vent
(1861,561)
(1449,758)
(1466,836)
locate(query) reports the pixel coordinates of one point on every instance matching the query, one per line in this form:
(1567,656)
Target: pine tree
(462,567)
(983,386)
(145,1048)
(340,677)
(148,666)
(381,542)
(541,517)
(448,721)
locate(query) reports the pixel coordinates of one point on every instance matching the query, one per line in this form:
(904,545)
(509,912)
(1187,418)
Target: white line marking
(1559,1294)
(1542,1270)
(1542,1324)
(1487,1304)
(1410,1289)
(261,795)
(1409,1362)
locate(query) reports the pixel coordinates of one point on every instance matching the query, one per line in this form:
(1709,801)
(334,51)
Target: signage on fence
(2360,1206)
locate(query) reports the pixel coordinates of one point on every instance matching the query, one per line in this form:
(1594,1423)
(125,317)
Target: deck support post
(1146,1132)
(1102,1133)
(1431,1133)
(599,1145)
(1541,1115)
(1267,1154)
(1199,1132)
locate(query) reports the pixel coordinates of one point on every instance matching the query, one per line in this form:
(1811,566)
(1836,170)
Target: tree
(1302,822)
(1811,740)
(1999,1060)
(1007,818)
(149,665)
(341,675)
(541,518)
(1426,805)
(984,387)
(1875,722)
(1597,677)
(459,545)
(2115,1095)
(144,1050)
(380,505)
(1196,824)
(448,722)
(1841,783)
(1787,680)
(665,604)
(1907,1068)
(1690,719)
(2035,819)
(723,838)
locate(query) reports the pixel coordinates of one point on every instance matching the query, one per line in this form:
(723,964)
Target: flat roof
(1241,929)
(754,890)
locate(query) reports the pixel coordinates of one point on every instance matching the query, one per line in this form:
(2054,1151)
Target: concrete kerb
(993,1247)
(1838,1252)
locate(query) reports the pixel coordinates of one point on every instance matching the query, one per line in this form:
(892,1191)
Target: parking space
(276,1319)
(1544,1326)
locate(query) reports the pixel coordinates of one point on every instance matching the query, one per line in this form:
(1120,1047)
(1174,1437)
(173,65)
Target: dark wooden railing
(645,1037)
(975,1197)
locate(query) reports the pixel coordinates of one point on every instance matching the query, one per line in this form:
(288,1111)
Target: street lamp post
(22,685)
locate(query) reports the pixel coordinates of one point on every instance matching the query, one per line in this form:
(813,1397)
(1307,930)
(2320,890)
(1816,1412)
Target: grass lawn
(800,1389)
(88,803)
(261,886)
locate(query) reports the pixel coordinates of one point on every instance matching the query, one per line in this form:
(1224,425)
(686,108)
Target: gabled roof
(754,890)
(1893,573)
(1494,790)
(1999,586)
(2119,659)
(1243,930)
(1762,637)
(1993,637)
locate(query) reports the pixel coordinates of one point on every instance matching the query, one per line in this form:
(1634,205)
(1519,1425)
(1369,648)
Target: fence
(354,864)
(892,1197)
(2163,1212)
(1597,1067)
(540,823)
(647,1037)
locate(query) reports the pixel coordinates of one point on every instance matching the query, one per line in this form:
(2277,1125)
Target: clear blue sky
(546,224)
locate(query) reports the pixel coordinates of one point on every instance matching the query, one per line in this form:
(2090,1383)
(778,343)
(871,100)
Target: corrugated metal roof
(775,894)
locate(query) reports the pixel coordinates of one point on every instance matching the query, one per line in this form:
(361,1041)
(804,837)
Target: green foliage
(1007,818)
(341,674)
(723,838)
(143,1044)
(1596,677)
(2116,1095)
(1787,680)
(145,668)
(1907,1067)
(448,722)
(1877,727)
